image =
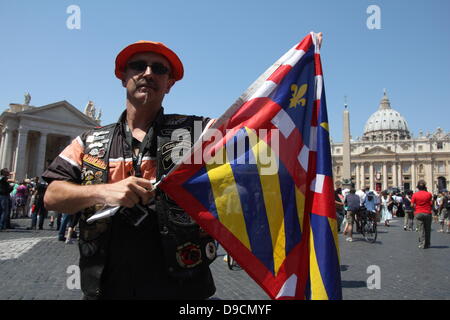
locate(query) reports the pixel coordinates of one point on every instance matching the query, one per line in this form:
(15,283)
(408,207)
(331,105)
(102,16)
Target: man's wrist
(97,193)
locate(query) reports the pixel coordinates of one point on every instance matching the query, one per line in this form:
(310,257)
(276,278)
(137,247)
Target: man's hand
(127,193)
(67,197)
(319,39)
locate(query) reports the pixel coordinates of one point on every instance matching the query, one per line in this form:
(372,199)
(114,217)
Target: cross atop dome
(385,103)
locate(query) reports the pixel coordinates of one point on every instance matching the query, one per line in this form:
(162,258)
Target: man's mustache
(147,83)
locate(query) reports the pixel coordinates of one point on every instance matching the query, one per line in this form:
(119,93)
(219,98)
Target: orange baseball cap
(149,46)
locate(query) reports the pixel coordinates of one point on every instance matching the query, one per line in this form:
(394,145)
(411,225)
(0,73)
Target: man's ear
(124,83)
(170,83)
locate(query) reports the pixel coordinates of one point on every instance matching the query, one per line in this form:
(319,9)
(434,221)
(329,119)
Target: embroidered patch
(101,152)
(100,133)
(95,145)
(176,120)
(94,152)
(186,133)
(173,151)
(96,162)
(189,255)
(98,174)
(97,138)
(87,175)
(210,250)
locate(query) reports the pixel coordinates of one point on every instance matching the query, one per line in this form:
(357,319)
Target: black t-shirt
(407,203)
(40,192)
(5,187)
(135,268)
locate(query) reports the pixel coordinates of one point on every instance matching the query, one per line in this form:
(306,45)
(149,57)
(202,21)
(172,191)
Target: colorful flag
(260,180)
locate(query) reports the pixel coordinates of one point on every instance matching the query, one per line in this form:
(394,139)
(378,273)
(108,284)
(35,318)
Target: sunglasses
(141,65)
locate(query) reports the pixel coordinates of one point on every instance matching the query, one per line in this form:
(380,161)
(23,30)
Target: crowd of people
(416,209)
(25,200)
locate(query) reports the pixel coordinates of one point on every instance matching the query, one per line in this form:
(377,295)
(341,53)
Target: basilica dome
(386,124)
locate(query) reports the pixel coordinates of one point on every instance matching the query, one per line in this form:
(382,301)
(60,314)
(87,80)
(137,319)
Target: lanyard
(144,146)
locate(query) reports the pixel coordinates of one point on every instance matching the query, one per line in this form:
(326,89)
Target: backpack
(407,203)
(447,202)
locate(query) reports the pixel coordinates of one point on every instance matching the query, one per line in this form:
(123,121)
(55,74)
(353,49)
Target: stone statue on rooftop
(89,110)
(27,97)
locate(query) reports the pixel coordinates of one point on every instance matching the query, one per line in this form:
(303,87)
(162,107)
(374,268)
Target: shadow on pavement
(18,230)
(353,284)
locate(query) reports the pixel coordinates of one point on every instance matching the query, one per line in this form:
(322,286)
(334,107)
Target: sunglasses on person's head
(141,66)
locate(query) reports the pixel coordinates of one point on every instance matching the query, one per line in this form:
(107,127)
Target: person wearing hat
(139,253)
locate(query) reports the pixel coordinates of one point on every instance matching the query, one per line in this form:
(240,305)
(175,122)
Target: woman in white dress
(386,215)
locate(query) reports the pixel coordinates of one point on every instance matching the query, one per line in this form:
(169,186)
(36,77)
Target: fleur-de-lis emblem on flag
(298,95)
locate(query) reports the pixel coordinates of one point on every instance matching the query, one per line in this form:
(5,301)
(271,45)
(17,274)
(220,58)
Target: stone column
(358,180)
(394,174)
(413,175)
(6,152)
(2,144)
(363,175)
(399,175)
(385,176)
(429,175)
(40,159)
(21,154)
(372,185)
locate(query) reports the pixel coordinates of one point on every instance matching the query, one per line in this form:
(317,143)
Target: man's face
(147,87)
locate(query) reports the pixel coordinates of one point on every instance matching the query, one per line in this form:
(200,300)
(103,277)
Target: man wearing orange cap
(151,249)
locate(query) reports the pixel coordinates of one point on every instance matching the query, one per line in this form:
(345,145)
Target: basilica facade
(31,137)
(389,156)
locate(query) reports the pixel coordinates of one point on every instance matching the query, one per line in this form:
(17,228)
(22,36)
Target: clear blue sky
(225,46)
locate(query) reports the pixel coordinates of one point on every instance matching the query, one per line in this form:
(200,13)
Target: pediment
(377,151)
(62,112)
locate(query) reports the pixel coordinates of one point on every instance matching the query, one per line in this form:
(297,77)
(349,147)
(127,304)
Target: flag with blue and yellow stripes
(260,180)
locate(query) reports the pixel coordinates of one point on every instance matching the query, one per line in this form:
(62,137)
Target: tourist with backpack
(408,221)
(352,202)
(445,212)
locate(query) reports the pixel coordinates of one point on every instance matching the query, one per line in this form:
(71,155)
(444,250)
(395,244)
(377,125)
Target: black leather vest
(188,249)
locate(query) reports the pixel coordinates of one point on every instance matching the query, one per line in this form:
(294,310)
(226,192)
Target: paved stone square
(35,265)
